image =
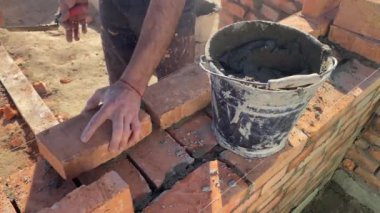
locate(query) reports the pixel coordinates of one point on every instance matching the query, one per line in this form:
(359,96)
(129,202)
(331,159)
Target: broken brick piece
(9,112)
(139,187)
(195,135)
(37,187)
(177,96)
(62,147)
(108,194)
(160,157)
(65,80)
(40,88)
(212,187)
(348,164)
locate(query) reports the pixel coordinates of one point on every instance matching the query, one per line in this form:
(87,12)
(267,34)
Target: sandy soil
(47,57)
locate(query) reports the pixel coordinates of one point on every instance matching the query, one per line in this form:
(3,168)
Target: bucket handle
(299,80)
(205,65)
(282,83)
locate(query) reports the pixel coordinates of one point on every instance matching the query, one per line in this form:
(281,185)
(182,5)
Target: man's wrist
(132,87)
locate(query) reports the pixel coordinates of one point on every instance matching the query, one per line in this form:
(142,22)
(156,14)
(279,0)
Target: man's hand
(73,14)
(121,105)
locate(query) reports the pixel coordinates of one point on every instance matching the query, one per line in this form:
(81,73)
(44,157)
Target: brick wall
(363,158)
(273,10)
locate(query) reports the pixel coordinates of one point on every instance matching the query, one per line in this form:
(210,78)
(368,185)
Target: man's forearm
(156,34)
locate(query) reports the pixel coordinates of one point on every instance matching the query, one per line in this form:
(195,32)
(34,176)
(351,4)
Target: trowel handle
(293,81)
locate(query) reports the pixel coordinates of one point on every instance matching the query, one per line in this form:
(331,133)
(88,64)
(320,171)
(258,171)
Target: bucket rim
(207,66)
(208,43)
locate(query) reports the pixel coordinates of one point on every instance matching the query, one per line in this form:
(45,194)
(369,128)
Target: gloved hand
(73,14)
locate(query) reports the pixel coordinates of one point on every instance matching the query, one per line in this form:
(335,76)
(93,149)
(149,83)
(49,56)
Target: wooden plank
(30,105)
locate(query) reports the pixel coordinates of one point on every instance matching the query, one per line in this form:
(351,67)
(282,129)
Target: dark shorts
(121,24)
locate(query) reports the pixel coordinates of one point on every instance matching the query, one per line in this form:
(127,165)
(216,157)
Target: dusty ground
(47,57)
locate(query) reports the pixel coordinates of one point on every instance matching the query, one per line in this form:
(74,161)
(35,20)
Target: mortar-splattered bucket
(253,118)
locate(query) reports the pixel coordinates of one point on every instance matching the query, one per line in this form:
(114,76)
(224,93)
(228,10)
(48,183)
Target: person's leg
(118,39)
(182,47)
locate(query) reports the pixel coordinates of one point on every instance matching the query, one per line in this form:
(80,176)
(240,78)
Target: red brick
(362,144)
(177,96)
(362,159)
(62,147)
(195,135)
(139,187)
(331,103)
(297,137)
(301,157)
(9,112)
(225,19)
(160,157)
(233,8)
(284,180)
(248,202)
(250,16)
(315,9)
(354,42)
(37,187)
(374,152)
(376,124)
(273,180)
(5,203)
(329,136)
(314,27)
(367,24)
(263,201)
(210,188)
(368,177)
(40,88)
(371,137)
(260,170)
(286,6)
(348,164)
(248,3)
(270,13)
(272,204)
(108,194)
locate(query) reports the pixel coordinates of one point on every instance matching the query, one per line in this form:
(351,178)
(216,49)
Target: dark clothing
(121,25)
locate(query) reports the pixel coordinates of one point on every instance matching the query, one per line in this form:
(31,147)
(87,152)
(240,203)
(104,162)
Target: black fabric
(121,25)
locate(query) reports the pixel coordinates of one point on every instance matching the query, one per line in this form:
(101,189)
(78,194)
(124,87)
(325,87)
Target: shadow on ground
(334,200)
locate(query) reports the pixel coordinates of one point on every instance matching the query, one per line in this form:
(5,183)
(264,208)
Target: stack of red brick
(357,28)
(363,159)
(273,10)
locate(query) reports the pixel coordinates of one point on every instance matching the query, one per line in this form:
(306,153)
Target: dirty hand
(121,105)
(73,14)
